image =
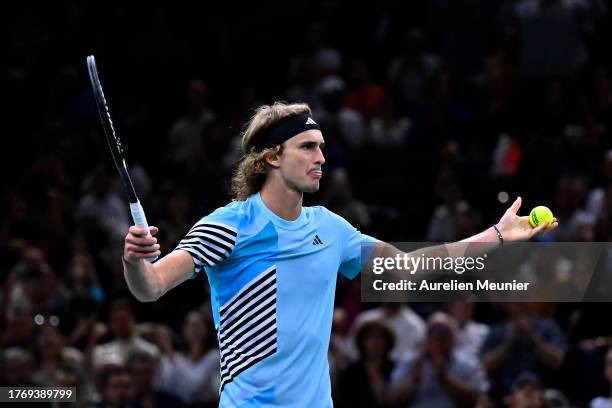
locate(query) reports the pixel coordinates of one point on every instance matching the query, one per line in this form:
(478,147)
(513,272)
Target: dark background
(469,73)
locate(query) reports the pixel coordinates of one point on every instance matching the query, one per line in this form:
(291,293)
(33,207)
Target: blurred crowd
(435,114)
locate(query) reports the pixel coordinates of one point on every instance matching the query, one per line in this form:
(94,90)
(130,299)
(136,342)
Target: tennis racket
(116,147)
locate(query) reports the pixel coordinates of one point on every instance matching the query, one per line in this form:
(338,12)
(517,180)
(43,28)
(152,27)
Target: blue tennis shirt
(272,285)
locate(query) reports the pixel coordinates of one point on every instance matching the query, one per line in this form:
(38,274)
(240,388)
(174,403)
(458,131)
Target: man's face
(301,160)
(119,389)
(439,339)
(143,374)
(121,322)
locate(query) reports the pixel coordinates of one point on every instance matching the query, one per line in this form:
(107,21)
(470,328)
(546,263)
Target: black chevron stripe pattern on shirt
(247,326)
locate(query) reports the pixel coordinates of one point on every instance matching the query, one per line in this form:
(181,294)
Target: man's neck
(282,201)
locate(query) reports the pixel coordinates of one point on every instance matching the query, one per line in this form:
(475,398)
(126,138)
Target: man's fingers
(545,227)
(142,231)
(138,231)
(140,241)
(132,256)
(143,249)
(515,205)
(540,228)
(554,223)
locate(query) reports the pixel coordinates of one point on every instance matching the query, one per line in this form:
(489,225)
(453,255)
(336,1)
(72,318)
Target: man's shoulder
(232,215)
(320,212)
(318,209)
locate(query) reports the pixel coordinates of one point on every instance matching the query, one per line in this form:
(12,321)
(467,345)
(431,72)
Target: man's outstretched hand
(517,228)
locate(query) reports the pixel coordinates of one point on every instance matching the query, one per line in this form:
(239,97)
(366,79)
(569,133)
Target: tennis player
(272,264)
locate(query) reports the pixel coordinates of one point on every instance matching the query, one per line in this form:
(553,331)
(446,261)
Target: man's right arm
(148,282)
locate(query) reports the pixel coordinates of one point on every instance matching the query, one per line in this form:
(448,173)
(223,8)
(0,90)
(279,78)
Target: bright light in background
(503,197)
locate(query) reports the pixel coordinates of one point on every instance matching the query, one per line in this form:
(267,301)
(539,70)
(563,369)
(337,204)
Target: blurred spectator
(364,382)
(596,200)
(571,192)
(192,374)
(82,279)
(408,327)
(348,122)
(15,227)
(605,402)
(554,398)
(103,207)
(470,335)
(122,326)
(33,286)
(140,179)
(447,116)
(506,157)
(53,355)
(176,207)
(601,93)
(143,367)
(444,223)
(339,198)
(527,392)
(466,32)
(18,366)
(363,95)
(19,328)
(80,321)
(552,25)
(389,129)
(411,69)
(306,85)
(70,376)
(117,388)
(186,133)
(438,375)
(524,341)
(338,354)
(315,61)
(327,58)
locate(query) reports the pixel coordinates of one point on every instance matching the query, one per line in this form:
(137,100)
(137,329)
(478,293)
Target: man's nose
(320,157)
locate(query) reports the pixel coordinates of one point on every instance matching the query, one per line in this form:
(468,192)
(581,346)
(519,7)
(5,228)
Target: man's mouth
(316,173)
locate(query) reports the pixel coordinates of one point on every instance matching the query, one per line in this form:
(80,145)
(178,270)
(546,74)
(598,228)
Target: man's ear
(272,158)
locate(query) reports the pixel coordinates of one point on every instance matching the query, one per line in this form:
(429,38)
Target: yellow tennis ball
(539,215)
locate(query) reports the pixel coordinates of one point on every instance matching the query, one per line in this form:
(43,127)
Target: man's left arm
(510,228)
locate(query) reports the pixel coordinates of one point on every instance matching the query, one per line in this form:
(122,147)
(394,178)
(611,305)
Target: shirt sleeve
(351,256)
(209,242)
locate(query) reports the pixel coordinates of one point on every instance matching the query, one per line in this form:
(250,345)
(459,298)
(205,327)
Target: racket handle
(140,220)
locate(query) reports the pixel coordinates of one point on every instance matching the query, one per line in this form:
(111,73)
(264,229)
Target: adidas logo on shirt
(317,240)
(310,121)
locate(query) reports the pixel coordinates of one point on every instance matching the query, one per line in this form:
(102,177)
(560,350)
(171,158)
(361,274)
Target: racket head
(113,140)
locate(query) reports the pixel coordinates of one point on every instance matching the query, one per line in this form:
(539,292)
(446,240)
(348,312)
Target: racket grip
(140,219)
